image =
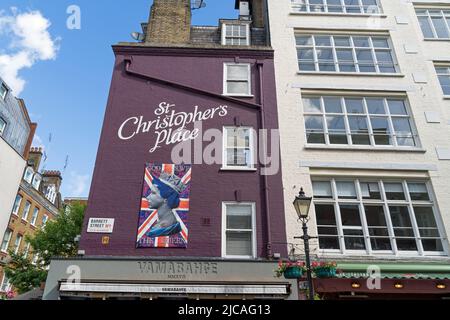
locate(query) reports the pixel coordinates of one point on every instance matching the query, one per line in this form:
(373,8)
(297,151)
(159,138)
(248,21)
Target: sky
(63,71)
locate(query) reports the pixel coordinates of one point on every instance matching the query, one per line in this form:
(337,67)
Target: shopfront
(148,279)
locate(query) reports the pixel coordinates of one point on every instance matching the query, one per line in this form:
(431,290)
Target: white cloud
(77,185)
(28,41)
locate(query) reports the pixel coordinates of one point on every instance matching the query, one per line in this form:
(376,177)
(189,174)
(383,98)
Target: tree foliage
(57,239)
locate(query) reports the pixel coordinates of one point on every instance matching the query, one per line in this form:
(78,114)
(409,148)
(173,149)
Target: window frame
(442,65)
(28,170)
(253,230)
(225,80)
(431,25)
(25,212)
(408,202)
(16,205)
(251,166)
(349,133)
(2,249)
(3,125)
(5,91)
(356,63)
(224,36)
(35,216)
(2,284)
(18,243)
(343,6)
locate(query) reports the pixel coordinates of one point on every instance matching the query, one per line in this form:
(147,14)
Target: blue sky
(67,93)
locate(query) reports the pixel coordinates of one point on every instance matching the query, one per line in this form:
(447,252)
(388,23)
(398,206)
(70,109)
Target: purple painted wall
(118,176)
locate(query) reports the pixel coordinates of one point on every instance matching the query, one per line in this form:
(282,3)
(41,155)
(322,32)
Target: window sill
(446,97)
(339,14)
(353,148)
(238,95)
(438,40)
(238,169)
(384,256)
(362,74)
(23,221)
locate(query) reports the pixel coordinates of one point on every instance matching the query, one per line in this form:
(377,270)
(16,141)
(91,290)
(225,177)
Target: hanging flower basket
(290,269)
(324,269)
(293,273)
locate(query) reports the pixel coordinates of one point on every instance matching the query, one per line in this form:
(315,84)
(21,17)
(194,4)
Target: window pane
(441,27)
(418,191)
(322,189)
(325,215)
(426,222)
(303,40)
(403,228)
(336,129)
(375,106)
(342,41)
(322,41)
(314,123)
(239,217)
(239,243)
(354,105)
(332,105)
(312,105)
(376,221)
(237,72)
(352,241)
(397,107)
(380,43)
(394,191)
(238,87)
(370,190)
(307,66)
(350,215)
(426,27)
(432,245)
(361,41)
(346,190)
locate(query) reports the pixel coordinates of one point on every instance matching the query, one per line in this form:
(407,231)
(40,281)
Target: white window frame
(26,250)
(224,229)
(17,243)
(5,90)
(442,65)
(44,220)
(28,175)
(7,240)
(16,206)
(26,211)
(296,4)
(348,132)
(226,25)
(3,125)
(430,21)
(251,166)
(408,202)
(355,62)
(225,80)
(35,216)
(5,283)
(36,182)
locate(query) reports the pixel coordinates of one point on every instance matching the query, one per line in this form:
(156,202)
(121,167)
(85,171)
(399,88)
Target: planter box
(325,273)
(293,273)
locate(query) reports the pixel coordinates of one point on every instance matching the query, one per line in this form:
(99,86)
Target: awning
(420,271)
(247,289)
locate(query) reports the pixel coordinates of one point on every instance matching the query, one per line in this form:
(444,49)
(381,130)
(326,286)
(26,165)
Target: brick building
(37,201)
(160,227)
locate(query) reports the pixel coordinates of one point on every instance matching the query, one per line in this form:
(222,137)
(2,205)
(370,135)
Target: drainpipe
(264,177)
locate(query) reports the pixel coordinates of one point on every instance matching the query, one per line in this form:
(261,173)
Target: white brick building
(364,103)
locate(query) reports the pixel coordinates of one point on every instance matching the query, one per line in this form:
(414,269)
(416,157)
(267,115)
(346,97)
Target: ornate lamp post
(302,205)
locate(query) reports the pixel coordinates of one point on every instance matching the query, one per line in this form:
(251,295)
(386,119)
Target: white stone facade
(416,81)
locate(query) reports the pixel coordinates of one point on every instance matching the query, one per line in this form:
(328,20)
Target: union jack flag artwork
(163,217)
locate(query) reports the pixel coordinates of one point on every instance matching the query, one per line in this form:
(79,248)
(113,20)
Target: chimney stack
(35,157)
(170,22)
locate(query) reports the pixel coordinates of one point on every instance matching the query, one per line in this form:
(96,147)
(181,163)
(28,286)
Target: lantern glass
(302,205)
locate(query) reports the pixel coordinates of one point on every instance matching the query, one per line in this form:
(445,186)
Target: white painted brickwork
(416,80)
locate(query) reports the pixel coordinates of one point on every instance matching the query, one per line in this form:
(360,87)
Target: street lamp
(302,203)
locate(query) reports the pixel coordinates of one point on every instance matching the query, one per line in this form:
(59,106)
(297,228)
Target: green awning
(422,271)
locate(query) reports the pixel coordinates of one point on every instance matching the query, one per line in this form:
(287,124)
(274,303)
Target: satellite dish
(138,36)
